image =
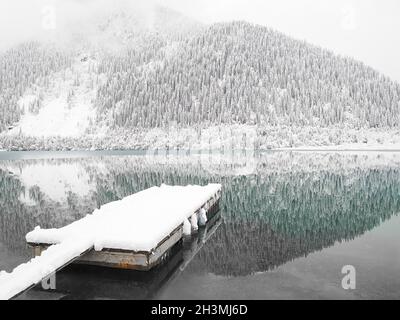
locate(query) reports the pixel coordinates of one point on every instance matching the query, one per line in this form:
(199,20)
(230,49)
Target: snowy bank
(223,137)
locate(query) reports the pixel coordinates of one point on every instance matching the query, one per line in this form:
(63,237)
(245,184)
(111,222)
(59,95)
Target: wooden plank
(161,252)
(122,259)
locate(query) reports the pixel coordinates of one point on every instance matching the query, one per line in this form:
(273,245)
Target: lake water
(289,222)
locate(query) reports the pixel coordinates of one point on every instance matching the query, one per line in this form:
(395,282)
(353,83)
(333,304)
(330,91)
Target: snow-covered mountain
(133,82)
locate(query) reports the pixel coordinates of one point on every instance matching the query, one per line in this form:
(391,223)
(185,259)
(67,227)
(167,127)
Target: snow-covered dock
(136,232)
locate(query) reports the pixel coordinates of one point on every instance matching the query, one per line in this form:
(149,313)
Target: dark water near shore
(289,222)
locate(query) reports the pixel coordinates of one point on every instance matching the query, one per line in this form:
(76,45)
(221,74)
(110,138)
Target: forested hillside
(241,73)
(182,74)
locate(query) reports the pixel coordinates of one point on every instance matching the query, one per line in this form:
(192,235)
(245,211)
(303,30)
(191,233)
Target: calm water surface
(289,222)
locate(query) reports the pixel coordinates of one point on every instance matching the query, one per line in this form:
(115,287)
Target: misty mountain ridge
(131,75)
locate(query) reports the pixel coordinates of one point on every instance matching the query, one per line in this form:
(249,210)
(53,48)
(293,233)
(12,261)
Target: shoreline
(71,154)
(224,138)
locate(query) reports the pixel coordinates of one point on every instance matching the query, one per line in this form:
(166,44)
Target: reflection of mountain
(24,206)
(280,217)
(292,205)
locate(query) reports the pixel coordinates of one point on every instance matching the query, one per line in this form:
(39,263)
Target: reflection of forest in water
(288,206)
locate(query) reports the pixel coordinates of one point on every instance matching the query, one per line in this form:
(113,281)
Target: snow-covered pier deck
(136,233)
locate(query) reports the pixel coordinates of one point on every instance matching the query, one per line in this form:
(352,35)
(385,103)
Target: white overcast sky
(368,30)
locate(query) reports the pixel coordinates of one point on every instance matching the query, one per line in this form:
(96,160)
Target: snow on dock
(29,274)
(138,223)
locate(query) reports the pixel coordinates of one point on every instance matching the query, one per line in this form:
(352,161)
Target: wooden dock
(53,254)
(103,283)
(135,260)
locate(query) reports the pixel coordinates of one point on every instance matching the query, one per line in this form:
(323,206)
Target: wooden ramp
(136,232)
(28,275)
